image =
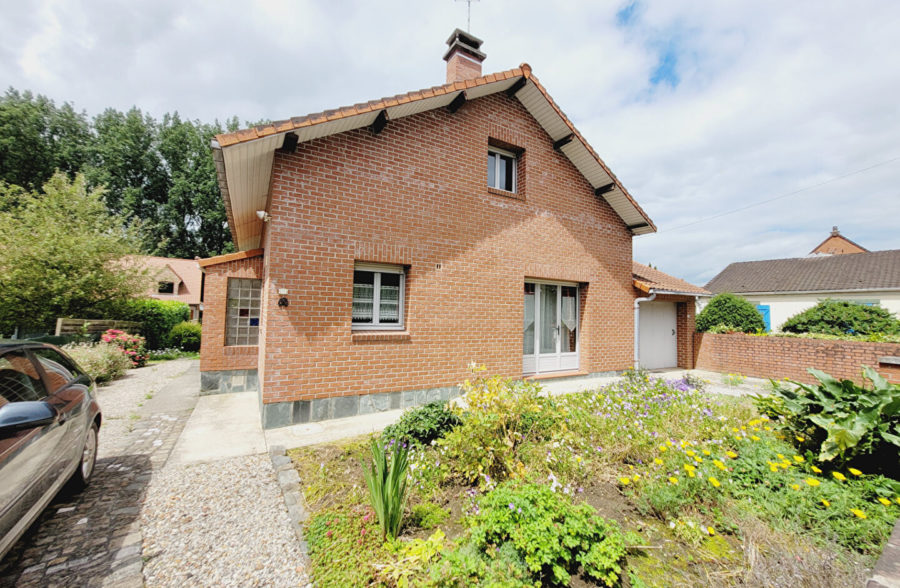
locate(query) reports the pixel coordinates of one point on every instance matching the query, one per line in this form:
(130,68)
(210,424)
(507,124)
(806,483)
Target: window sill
(240,349)
(554,375)
(499,192)
(373,336)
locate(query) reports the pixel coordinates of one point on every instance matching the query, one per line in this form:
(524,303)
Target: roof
(229,257)
(648,279)
(187,270)
(244,158)
(875,270)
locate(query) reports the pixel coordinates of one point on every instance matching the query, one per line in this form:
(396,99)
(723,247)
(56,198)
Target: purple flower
(512,506)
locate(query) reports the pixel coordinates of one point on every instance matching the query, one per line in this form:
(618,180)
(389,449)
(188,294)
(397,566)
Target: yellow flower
(780,456)
(854,471)
(706,452)
(785,464)
(825,503)
(897,499)
(673,480)
(734,429)
(799,458)
(767,428)
(630,467)
(636,477)
(663,448)
(884,501)
(578,459)
(689,453)
(625,481)
(719,465)
(658,461)
(669,443)
(773,468)
(691,474)
(839,476)
(800,439)
(754,438)
(812,482)
(714,482)
(698,459)
(815,469)
(858,513)
(711,531)
(731,454)
(795,486)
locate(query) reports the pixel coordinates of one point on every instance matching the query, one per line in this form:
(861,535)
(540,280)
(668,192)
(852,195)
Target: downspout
(637,326)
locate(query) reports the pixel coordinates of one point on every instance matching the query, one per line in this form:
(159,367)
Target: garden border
(289,482)
(886,572)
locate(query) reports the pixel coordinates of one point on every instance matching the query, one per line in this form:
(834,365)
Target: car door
(69,391)
(25,453)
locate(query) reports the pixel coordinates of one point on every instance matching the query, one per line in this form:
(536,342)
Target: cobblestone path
(94,538)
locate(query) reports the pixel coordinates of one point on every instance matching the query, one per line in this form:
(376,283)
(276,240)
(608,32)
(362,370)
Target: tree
(37,138)
(64,255)
(730,311)
(840,317)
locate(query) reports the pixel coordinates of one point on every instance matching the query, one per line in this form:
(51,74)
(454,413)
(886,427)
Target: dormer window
(166,288)
(501,169)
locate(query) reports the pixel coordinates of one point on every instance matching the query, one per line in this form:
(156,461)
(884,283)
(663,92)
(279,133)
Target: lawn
(643,483)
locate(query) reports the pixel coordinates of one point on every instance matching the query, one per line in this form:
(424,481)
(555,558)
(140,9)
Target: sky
(745,129)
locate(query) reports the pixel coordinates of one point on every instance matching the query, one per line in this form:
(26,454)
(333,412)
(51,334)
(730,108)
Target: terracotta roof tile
(647,278)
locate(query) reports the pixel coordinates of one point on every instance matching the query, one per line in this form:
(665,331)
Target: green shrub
(839,317)
(467,565)
(157,317)
(186,336)
(732,311)
(841,420)
(423,424)
(553,536)
(428,515)
(133,346)
(102,361)
(386,479)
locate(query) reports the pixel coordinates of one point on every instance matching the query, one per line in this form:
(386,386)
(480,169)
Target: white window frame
(515,168)
(378,269)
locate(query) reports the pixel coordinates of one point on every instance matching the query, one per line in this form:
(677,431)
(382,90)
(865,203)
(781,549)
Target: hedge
(157,318)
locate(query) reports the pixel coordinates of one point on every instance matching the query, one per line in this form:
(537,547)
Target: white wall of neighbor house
(784,306)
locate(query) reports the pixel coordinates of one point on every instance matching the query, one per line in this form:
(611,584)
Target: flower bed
(644,482)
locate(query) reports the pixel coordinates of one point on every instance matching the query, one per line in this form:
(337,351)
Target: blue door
(764,311)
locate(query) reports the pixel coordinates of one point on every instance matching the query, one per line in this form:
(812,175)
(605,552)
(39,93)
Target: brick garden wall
(786,357)
(416,195)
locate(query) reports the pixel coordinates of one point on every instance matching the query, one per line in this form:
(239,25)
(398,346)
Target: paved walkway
(94,538)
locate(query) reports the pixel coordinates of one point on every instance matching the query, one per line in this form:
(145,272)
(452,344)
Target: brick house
(385,246)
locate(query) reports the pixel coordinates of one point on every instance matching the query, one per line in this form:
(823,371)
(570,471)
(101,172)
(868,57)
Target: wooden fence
(72,326)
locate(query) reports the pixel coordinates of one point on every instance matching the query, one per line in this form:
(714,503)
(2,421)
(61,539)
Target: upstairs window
(378,296)
(166,288)
(501,169)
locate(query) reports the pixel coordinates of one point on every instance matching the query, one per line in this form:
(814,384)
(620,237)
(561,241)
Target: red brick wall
(786,357)
(416,195)
(214,355)
(461,67)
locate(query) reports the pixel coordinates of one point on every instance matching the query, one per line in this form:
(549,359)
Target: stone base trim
(283,414)
(226,381)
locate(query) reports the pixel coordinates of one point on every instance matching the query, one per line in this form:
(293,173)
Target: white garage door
(659,342)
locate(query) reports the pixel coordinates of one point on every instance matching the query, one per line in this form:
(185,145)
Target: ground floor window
(550,327)
(242,326)
(378,296)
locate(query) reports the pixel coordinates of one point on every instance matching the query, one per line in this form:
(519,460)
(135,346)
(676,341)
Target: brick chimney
(463,58)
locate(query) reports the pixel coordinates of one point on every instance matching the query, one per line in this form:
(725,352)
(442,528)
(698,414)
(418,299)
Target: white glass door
(550,328)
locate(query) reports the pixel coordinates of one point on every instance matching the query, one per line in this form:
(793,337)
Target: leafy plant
(841,420)
(412,559)
(552,535)
(428,515)
(102,361)
(131,345)
(732,311)
(157,317)
(343,546)
(186,336)
(423,424)
(839,317)
(733,379)
(386,479)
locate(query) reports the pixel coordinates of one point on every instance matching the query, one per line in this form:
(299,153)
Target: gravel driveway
(143,521)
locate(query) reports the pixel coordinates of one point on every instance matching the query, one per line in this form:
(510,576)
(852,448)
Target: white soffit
(249,169)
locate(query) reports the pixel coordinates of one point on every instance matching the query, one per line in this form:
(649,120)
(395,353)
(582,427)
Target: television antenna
(468,13)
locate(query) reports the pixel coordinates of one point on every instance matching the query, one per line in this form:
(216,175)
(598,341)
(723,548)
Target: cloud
(699,107)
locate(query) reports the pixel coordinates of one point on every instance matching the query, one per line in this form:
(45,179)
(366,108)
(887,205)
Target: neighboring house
(664,313)
(175,279)
(781,288)
(386,246)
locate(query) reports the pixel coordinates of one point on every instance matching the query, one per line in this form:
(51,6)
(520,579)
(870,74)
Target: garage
(658,335)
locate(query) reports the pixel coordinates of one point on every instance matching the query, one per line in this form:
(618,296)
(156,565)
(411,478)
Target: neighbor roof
(186,269)
(648,279)
(244,158)
(875,270)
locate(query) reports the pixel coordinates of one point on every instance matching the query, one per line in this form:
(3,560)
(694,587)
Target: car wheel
(82,476)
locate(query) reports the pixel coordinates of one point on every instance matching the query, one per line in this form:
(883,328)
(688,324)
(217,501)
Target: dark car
(49,419)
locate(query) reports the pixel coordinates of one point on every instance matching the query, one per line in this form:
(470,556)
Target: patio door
(550,327)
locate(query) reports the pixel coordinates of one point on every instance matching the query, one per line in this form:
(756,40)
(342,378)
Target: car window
(60,371)
(19,380)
